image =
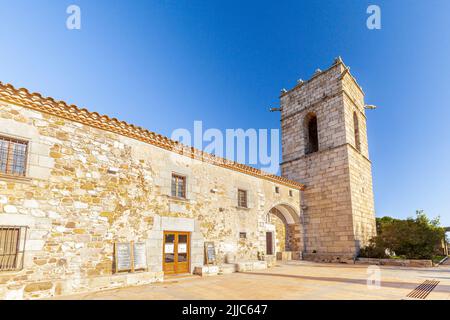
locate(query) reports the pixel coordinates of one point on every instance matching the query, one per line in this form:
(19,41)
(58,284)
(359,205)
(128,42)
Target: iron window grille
(12,247)
(178,186)
(242,198)
(13,156)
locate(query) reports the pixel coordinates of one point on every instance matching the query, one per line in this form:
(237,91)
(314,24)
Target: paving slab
(293,280)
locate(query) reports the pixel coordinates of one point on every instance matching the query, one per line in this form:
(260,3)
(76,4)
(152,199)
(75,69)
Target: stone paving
(291,280)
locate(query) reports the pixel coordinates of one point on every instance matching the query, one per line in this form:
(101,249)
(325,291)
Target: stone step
(227,268)
(289,255)
(253,265)
(207,270)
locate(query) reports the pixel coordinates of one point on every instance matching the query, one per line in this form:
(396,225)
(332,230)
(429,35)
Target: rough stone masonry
(91,181)
(338,204)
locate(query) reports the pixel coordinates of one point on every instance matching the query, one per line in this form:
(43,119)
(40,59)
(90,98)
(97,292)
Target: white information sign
(140,257)
(168,248)
(182,248)
(123,256)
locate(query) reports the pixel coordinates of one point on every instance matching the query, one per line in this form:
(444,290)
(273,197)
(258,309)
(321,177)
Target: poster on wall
(210,253)
(123,256)
(182,248)
(140,256)
(168,248)
(130,256)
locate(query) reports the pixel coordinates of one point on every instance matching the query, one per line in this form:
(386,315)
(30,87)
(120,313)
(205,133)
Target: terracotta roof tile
(36,101)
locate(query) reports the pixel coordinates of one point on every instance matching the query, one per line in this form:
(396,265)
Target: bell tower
(324,146)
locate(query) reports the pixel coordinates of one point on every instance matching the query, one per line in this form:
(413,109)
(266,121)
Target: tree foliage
(413,238)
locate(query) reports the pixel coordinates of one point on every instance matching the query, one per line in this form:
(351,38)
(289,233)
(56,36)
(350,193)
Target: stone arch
(288,212)
(287,223)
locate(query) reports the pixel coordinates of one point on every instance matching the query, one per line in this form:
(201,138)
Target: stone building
(88,202)
(324,145)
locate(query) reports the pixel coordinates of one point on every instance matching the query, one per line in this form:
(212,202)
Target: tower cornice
(337,62)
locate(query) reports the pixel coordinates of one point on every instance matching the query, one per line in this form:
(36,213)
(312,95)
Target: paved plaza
(297,280)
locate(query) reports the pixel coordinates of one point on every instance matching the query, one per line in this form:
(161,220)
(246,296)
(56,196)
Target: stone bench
(205,271)
(227,268)
(396,262)
(246,266)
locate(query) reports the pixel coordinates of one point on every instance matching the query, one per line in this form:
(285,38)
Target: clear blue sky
(163,64)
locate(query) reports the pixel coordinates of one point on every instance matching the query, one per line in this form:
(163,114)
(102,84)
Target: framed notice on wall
(140,256)
(210,253)
(130,256)
(123,256)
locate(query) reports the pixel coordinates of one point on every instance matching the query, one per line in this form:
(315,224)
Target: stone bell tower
(324,146)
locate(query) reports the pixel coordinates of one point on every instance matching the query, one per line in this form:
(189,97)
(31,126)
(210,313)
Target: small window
(13,156)
(242,198)
(311,134)
(277,189)
(356,129)
(291,193)
(178,186)
(242,235)
(11,249)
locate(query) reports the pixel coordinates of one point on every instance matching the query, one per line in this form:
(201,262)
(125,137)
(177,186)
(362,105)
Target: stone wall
(360,167)
(396,262)
(280,231)
(338,211)
(86,188)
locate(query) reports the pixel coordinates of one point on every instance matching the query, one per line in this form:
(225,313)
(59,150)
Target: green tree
(413,238)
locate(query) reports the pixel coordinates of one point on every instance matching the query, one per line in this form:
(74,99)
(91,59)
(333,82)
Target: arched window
(356,128)
(311,135)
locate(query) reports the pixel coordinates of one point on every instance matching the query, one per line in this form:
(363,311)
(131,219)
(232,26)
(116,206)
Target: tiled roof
(36,101)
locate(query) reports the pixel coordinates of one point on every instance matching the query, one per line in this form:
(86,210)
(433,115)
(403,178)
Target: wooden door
(176,252)
(269,243)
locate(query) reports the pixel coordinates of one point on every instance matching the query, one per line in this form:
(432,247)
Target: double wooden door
(176,252)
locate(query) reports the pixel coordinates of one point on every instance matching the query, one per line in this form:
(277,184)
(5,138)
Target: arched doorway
(284,236)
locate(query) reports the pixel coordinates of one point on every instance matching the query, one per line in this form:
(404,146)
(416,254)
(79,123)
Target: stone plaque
(123,256)
(210,253)
(140,256)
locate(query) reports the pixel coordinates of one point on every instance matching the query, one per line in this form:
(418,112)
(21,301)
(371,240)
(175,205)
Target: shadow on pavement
(389,284)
